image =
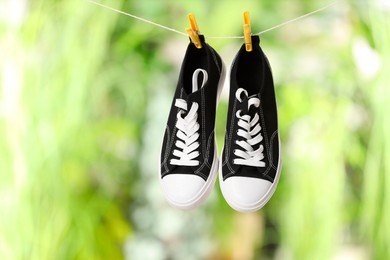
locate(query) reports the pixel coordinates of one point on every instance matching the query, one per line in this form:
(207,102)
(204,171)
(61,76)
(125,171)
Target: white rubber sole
(258,204)
(202,195)
(205,191)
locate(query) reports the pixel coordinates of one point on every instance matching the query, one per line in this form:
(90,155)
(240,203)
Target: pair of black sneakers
(250,163)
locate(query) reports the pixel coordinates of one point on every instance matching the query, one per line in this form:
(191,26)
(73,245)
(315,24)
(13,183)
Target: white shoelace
(188,127)
(250,130)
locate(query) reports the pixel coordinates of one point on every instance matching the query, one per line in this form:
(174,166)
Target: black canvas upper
(251,71)
(205,58)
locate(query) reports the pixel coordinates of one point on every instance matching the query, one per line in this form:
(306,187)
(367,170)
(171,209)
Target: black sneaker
(251,156)
(189,160)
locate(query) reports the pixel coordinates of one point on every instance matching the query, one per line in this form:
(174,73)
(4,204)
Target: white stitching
(271,148)
(205,162)
(174,128)
(231,130)
(203,122)
(215,60)
(166,155)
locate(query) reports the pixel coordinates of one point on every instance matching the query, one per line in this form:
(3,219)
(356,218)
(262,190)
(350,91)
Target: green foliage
(61,197)
(376,185)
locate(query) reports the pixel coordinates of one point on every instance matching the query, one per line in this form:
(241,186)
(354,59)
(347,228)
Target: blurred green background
(84,97)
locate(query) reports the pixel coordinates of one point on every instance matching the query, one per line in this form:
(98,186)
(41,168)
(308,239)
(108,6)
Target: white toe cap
(182,190)
(246,192)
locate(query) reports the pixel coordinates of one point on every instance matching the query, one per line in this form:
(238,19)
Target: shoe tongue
(244,105)
(190,99)
(199,81)
(194,96)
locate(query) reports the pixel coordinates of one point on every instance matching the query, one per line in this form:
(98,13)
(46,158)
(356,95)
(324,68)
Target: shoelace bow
(250,130)
(188,127)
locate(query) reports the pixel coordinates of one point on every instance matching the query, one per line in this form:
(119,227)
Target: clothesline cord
(213,37)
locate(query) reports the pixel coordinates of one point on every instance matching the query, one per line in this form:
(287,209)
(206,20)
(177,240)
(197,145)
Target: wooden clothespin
(194,32)
(247,32)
